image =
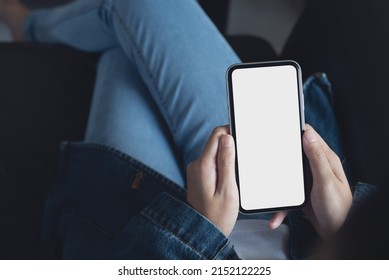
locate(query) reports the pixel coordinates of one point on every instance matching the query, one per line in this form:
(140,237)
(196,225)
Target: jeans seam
(170,121)
(128,159)
(226,247)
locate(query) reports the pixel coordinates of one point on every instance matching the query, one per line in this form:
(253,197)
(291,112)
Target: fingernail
(310,135)
(226,141)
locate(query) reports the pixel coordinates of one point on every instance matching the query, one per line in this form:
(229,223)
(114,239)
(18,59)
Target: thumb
(318,161)
(226,161)
(277,219)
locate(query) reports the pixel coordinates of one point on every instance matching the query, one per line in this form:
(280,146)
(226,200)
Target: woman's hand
(331,197)
(212,188)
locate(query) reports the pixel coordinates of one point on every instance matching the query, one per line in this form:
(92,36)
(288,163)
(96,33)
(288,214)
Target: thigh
(182,58)
(124,116)
(179,54)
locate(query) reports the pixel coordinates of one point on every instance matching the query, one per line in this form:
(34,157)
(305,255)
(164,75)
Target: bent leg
(124,116)
(180,55)
(183,59)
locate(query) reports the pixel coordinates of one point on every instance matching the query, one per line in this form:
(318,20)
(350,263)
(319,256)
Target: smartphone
(266,108)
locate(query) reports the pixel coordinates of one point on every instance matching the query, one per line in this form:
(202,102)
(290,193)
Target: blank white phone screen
(268,135)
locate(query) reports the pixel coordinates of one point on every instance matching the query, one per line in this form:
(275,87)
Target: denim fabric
(362,191)
(169,229)
(162,73)
(106,205)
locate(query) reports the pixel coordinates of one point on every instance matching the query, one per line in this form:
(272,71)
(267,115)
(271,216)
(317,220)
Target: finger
(327,150)
(323,143)
(226,162)
(320,166)
(333,160)
(332,157)
(210,151)
(277,220)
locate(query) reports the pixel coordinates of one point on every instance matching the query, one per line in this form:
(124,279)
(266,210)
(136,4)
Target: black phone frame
(231,111)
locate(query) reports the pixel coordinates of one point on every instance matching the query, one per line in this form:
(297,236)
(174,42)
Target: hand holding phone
(267,119)
(211,184)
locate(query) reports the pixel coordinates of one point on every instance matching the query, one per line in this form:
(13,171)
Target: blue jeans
(160,88)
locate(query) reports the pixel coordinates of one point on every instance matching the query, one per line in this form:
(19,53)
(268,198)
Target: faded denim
(162,73)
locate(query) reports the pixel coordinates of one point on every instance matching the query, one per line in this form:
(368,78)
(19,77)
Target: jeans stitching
(142,59)
(226,247)
(124,157)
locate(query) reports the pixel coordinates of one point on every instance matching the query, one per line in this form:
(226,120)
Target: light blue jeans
(160,88)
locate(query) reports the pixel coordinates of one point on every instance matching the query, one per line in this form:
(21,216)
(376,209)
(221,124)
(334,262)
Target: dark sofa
(45,92)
